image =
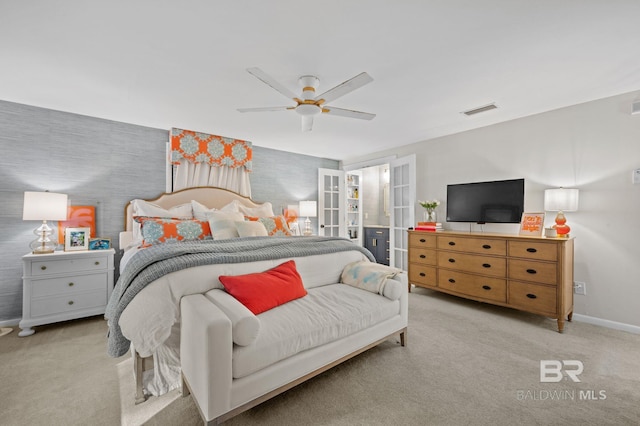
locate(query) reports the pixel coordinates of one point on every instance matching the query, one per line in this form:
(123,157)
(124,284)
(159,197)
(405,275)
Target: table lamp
(308,209)
(44,206)
(561,200)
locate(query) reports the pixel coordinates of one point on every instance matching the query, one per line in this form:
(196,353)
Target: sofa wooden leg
(403,338)
(185,388)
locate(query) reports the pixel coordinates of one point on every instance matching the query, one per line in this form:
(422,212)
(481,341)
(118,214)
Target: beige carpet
(465,363)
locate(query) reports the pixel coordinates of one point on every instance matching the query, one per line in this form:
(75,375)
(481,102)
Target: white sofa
(232,360)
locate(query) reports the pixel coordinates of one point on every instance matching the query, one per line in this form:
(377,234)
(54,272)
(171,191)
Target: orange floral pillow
(157,230)
(275,225)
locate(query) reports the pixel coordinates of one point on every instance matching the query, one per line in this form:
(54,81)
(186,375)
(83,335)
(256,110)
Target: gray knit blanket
(156,261)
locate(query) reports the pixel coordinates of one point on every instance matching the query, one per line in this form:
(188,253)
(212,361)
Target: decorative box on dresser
(64,285)
(531,274)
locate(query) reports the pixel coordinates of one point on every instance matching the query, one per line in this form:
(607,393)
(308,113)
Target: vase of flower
(429,215)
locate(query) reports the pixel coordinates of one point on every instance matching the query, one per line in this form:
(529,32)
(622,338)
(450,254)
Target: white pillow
(264,210)
(223,224)
(145,208)
(251,229)
(200,210)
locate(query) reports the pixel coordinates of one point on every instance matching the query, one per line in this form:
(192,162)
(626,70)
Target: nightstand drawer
(68,303)
(422,274)
(61,266)
(68,285)
(485,265)
(528,270)
(473,245)
(533,250)
(535,298)
(423,256)
(422,239)
(473,285)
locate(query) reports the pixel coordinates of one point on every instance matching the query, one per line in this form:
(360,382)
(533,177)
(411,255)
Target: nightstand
(64,285)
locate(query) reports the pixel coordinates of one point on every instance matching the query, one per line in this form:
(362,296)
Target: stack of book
(428,226)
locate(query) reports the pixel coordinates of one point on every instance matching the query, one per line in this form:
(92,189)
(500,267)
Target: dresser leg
(27,331)
(560,325)
(570,316)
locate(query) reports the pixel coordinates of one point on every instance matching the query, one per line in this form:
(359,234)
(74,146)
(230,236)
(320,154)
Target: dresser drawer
(533,298)
(473,245)
(533,250)
(529,270)
(61,266)
(68,303)
(494,289)
(422,239)
(421,274)
(68,285)
(485,265)
(424,256)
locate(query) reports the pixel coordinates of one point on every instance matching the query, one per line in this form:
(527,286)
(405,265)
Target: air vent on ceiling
(480,109)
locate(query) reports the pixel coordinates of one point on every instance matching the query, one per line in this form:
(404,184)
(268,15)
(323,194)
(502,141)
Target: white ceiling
(183,64)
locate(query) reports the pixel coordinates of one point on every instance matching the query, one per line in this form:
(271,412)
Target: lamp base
(307,228)
(41,250)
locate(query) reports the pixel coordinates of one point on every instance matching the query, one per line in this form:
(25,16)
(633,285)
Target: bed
(144,310)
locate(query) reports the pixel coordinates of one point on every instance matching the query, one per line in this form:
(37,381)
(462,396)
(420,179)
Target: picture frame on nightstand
(99,244)
(76,239)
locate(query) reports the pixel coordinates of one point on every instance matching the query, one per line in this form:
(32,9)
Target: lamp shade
(308,208)
(561,199)
(44,206)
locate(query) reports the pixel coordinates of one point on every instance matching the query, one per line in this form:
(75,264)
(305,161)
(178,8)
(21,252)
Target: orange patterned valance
(211,149)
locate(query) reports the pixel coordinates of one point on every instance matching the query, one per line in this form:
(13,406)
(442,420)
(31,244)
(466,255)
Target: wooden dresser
(527,273)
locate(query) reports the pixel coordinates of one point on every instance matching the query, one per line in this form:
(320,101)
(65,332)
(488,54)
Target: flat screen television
(500,201)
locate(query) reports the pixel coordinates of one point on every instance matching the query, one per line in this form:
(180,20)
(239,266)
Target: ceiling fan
(307,104)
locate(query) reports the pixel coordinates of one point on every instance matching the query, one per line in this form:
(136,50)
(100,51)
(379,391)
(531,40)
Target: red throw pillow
(262,291)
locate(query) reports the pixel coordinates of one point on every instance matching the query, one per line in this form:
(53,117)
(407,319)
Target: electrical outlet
(580,287)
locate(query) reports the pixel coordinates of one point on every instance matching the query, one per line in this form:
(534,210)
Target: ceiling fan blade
(347,113)
(345,87)
(307,123)
(265,78)
(280,108)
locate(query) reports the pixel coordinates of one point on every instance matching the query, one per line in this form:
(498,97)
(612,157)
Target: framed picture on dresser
(76,239)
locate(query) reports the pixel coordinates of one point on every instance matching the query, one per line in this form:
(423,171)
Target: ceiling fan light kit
(308,104)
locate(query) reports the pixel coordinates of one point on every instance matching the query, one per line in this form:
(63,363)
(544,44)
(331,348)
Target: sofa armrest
(244,324)
(206,354)
(395,286)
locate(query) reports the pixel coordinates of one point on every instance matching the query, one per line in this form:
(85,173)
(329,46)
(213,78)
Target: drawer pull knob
(422,256)
(486,265)
(486,246)
(422,274)
(70,302)
(422,240)
(97,263)
(70,284)
(43,267)
(531,296)
(452,243)
(531,250)
(532,271)
(486,287)
(452,260)
(452,281)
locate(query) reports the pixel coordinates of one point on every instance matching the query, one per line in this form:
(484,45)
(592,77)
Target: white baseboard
(10,323)
(607,323)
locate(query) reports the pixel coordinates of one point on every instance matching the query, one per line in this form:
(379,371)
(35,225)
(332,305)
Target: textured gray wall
(104,163)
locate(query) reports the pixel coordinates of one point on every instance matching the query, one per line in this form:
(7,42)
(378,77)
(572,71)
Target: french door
(402,196)
(331,203)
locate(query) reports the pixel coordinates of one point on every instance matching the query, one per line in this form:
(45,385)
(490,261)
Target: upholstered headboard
(210,196)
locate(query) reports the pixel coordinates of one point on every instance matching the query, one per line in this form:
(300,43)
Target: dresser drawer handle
(70,302)
(486,287)
(452,243)
(97,263)
(422,240)
(452,281)
(531,250)
(70,284)
(422,256)
(531,271)
(422,274)
(452,260)
(532,296)
(43,267)
(486,265)
(486,246)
